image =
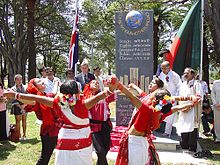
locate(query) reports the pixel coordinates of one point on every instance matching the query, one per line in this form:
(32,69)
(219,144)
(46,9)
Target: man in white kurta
(215,95)
(172,82)
(187,125)
(52,83)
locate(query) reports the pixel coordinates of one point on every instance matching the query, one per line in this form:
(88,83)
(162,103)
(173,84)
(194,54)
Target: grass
(23,152)
(208,143)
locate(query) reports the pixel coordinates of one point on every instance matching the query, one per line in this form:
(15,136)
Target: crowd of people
(75,114)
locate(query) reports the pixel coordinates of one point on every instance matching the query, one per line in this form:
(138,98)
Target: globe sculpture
(134,19)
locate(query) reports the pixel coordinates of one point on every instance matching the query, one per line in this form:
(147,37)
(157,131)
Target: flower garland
(69,100)
(166,100)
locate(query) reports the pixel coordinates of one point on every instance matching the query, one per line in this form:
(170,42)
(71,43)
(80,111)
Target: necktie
(85,78)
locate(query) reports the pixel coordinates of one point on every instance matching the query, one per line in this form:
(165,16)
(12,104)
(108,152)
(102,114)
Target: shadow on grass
(209,144)
(5,149)
(30,141)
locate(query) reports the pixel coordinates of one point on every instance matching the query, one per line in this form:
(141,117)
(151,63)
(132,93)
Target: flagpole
(199,106)
(202,22)
(77,9)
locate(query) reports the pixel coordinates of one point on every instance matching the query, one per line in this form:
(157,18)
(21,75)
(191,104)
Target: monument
(134,56)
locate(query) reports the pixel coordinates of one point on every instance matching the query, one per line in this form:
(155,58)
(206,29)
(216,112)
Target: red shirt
(142,119)
(80,111)
(51,122)
(101,112)
(145,119)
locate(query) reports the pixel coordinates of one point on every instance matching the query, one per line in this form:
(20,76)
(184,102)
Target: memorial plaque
(134,56)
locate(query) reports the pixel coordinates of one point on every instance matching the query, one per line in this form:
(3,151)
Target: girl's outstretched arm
(183,107)
(29,97)
(135,87)
(134,100)
(90,102)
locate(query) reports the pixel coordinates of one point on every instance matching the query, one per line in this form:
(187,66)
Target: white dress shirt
(187,121)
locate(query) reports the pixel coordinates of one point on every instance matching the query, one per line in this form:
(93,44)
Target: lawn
(208,144)
(24,152)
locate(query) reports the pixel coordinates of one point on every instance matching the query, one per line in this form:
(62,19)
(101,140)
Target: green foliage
(53,25)
(97,26)
(53,34)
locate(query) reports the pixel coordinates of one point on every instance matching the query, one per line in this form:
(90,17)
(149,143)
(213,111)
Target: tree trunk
(13,40)
(31,40)
(3,70)
(10,74)
(212,15)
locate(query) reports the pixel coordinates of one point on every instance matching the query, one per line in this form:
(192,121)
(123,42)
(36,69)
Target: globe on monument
(134,19)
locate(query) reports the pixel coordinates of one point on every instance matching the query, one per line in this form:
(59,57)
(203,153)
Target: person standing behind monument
(97,74)
(215,95)
(204,88)
(84,77)
(187,125)
(163,53)
(172,82)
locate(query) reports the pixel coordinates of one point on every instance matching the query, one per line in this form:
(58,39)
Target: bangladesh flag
(186,48)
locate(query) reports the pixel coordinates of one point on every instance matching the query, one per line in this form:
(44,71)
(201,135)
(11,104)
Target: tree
(99,21)
(30,38)
(13,36)
(22,25)
(212,10)
(52,34)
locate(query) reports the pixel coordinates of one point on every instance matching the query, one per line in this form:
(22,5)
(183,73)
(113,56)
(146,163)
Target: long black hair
(69,87)
(159,82)
(160,96)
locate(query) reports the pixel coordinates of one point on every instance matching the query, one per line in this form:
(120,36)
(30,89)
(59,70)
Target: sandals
(203,154)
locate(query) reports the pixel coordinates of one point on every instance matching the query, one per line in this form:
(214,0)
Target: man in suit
(84,77)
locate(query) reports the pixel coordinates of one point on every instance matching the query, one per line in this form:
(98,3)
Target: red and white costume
(144,120)
(74,144)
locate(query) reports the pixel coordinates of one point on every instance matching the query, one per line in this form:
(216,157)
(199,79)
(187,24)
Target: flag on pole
(73,53)
(186,48)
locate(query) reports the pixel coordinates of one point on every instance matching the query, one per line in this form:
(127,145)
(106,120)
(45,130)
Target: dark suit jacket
(89,78)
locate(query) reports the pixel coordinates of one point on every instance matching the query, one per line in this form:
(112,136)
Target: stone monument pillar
(134,56)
